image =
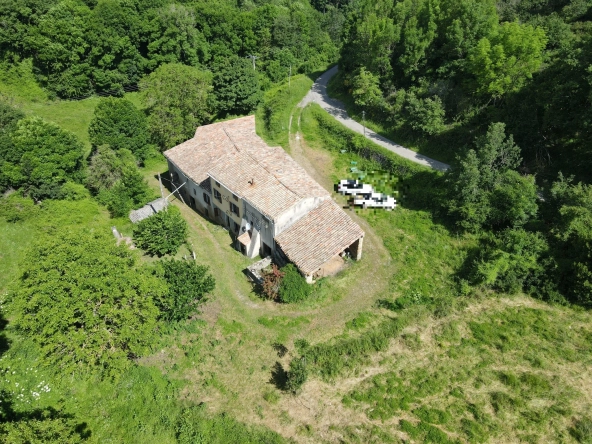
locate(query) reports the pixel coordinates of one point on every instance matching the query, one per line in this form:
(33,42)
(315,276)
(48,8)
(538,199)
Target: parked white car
(376,200)
(353,187)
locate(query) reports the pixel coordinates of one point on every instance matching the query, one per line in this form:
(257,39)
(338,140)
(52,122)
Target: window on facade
(236,227)
(194,192)
(218,184)
(234,209)
(216,212)
(206,199)
(217,195)
(234,196)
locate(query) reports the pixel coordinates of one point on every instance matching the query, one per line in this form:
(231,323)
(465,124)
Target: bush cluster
(162,233)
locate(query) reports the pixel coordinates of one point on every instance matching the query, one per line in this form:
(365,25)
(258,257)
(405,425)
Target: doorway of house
(192,202)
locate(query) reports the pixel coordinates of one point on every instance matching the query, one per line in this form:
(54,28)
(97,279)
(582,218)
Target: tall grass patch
(478,380)
(273,115)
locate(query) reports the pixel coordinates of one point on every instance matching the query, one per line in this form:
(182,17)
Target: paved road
(318,94)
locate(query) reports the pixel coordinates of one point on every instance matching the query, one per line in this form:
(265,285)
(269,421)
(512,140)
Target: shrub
(43,430)
(509,260)
(15,208)
(297,375)
(188,285)
(293,287)
(271,282)
(73,191)
(162,233)
(195,426)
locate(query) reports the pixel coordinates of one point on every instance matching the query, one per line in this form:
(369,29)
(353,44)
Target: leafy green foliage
(119,124)
(297,375)
(425,115)
(41,431)
(178,100)
(366,91)
(40,157)
(162,233)
(195,426)
(487,192)
(510,260)
(571,205)
(116,182)
(293,287)
(9,116)
(236,86)
(188,285)
(503,62)
(15,208)
(86,302)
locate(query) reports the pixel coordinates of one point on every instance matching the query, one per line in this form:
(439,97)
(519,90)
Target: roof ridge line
(259,163)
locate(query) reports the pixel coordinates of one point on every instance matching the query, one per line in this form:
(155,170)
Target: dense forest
(103,343)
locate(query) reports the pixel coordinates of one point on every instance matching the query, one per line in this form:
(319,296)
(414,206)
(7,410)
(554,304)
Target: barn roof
(233,154)
(318,236)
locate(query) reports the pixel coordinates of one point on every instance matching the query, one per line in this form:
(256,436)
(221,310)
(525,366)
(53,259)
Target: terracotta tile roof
(245,238)
(232,152)
(245,177)
(315,238)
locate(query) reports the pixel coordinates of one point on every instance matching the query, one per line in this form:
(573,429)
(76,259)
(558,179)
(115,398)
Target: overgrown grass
(273,115)
(503,374)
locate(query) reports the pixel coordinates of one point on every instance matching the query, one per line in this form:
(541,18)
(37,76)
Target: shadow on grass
(279,376)
(281,349)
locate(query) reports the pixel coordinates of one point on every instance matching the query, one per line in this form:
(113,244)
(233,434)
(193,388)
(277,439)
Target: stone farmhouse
(263,197)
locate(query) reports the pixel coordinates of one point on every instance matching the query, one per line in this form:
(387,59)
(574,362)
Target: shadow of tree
(281,349)
(279,376)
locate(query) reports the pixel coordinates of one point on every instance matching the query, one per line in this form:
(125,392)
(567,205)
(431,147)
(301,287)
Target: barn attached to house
(261,195)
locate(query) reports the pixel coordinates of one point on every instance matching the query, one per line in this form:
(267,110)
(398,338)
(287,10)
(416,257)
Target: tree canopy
(116,182)
(162,233)
(486,190)
(118,123)
(188,286)
(40,157)
(178,99)
(87,302)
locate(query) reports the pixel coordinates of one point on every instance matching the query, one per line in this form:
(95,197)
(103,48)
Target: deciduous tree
(162,233)
(85,301)
(188,286)
(119,124)
(40,158)
(178,100)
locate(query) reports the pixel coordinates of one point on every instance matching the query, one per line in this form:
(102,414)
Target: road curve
(318,94)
